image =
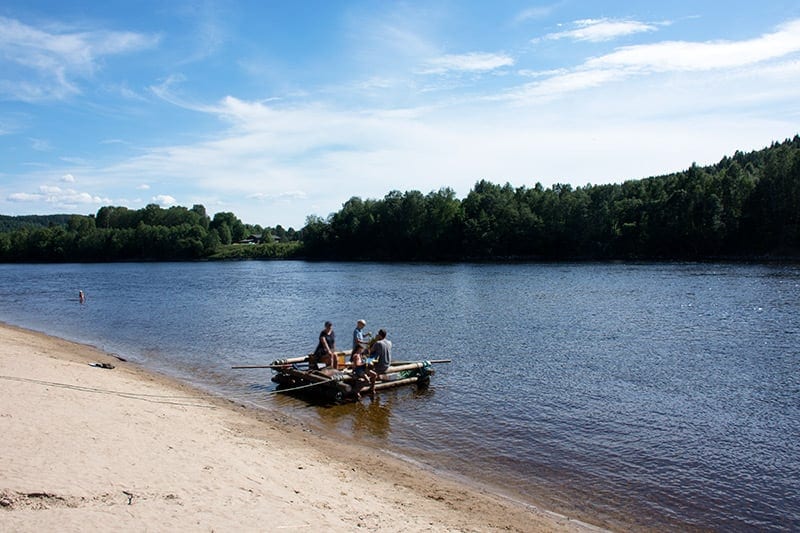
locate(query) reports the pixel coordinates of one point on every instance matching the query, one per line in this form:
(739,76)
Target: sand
(85,448)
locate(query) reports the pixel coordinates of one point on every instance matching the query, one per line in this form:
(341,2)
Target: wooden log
(401,368)
(364,387)
(290,360)
(396,383)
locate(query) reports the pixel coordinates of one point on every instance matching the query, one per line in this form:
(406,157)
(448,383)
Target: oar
(258,366)
(434,361)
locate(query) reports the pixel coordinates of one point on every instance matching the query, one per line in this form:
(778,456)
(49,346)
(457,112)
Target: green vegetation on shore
(147,234)
(745,206)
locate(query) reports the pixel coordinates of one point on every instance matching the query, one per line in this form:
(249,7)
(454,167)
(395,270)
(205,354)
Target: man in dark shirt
(325,351)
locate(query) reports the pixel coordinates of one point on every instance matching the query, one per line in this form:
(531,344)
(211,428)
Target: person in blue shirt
(360,344)
(360,338)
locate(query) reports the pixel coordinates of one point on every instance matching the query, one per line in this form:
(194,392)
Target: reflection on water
(668,393)
(372,417)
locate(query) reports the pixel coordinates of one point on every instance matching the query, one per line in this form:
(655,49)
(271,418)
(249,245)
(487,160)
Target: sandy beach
(87,448)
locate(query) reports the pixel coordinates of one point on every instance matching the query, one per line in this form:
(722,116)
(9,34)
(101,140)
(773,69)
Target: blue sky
(280,110)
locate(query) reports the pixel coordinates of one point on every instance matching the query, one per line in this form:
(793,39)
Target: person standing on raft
(359,365)
(360,342)
(381,353)
(324,353)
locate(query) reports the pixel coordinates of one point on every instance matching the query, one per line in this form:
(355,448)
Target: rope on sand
(157,398)
(154,398)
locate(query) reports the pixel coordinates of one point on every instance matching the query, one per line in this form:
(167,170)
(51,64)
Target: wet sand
(87,448)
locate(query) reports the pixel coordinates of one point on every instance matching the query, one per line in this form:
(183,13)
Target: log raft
(339,385)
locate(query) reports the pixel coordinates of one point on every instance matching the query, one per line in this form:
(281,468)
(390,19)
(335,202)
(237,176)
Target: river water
(650,396)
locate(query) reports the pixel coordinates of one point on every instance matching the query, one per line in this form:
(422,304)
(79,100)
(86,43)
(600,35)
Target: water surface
(661,396)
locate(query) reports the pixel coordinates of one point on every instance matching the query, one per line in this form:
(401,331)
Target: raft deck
(342,384)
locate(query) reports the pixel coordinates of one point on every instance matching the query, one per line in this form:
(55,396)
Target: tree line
(151,234)
(745,206)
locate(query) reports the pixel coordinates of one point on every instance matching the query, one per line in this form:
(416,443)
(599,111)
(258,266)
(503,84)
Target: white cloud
(683,56)
(598,30)
(384,42)
(665,57)
(535,13)
(127,93)
(143,187)
(114,141)
(69,196)
(285,195)
(472,62)
(314,157)
(79,161)
(164,200)
(68,178)
(557,86)
(24,197)
(164,90)
(40,145)
(278,161)
(56,195)
(42,64)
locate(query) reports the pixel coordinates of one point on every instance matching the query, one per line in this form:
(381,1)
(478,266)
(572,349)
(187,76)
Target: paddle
(258,366)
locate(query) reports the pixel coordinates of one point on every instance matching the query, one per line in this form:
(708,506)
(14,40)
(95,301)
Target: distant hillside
(9,223)
(747,206)
(148,234)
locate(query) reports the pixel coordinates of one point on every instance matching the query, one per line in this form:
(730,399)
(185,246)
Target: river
(654,396)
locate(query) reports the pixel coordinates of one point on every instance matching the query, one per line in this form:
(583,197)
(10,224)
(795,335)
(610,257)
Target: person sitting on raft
(324,353)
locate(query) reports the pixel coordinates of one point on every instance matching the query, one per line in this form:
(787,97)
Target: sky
(277,110)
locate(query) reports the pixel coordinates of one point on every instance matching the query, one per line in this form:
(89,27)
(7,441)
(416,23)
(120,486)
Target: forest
(148,234)
(747,206)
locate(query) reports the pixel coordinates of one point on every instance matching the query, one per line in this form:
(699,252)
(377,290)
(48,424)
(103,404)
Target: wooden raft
(341,384)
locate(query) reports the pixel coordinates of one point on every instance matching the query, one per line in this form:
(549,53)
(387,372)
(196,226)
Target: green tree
(203,218)
(235,227)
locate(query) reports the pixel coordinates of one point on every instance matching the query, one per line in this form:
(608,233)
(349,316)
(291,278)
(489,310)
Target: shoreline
(88,447)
